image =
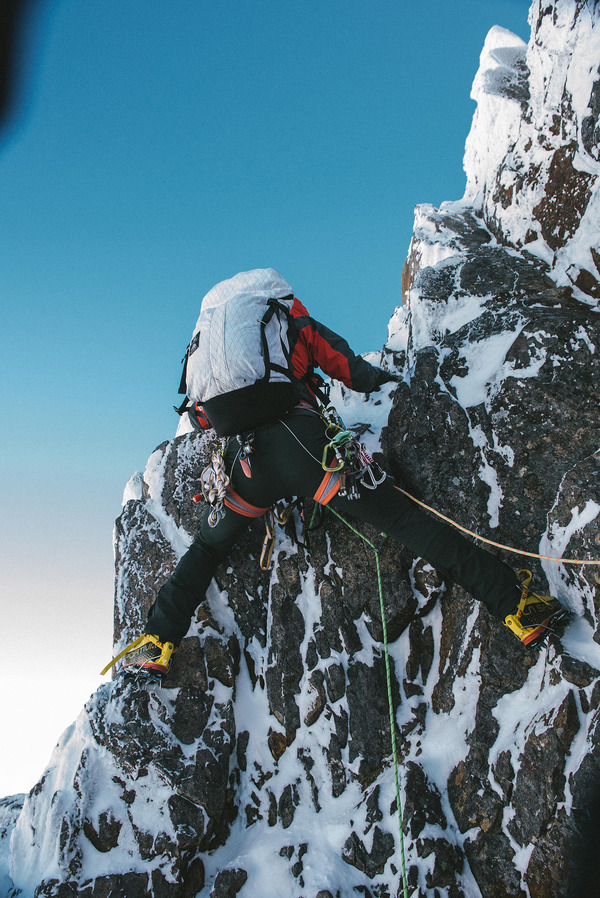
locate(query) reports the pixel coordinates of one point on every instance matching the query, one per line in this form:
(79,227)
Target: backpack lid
(260,282)
(239,338)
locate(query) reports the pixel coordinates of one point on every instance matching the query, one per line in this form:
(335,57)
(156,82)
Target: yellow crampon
(539,609)
(128,648)
(157,660)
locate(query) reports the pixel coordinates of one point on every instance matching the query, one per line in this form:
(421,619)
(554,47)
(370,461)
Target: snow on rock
(10,810)
(532,157)
(262,765)
(499,89)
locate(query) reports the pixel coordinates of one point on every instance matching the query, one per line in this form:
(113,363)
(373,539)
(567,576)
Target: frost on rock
(532,158)
(262,765)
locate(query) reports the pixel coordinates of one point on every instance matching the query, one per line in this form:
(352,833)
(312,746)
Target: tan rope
(491,542)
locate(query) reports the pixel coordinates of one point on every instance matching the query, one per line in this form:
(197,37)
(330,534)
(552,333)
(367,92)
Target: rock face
(263,766)
(533,178)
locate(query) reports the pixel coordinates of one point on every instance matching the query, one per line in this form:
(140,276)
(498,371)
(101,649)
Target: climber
(280,444)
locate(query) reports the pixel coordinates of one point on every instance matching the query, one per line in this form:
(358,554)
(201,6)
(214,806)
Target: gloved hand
(387,376)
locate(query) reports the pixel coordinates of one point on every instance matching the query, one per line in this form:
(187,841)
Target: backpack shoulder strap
(276,307)
(192,347)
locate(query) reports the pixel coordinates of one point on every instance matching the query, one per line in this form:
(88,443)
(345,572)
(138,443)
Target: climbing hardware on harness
(280,514)
(349,458)
(215,481)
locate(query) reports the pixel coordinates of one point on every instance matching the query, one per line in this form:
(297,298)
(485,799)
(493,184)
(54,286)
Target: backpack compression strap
(192,347)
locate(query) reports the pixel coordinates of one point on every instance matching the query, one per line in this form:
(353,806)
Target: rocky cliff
(262,766)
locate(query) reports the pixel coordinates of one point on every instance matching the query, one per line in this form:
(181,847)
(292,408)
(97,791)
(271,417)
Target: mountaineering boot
(146,654)
(534,613)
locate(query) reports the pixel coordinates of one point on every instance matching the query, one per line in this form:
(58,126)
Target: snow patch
(134,488)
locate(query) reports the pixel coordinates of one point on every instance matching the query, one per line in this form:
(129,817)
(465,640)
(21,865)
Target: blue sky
(161,146)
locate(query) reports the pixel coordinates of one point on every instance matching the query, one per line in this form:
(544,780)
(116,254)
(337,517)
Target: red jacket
(311,345)
(315,346)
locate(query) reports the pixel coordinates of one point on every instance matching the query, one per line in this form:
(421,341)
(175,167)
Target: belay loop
(215,481)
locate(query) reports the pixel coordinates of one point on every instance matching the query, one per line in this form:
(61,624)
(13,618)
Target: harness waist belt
(236,503)
(328,488)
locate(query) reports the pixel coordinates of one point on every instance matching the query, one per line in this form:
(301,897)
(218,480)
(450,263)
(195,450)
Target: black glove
(387,376)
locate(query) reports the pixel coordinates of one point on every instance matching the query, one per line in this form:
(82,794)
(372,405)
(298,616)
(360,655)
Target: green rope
(376,550)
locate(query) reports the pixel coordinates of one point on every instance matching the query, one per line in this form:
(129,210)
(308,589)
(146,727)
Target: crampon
(537,617)
(146,656)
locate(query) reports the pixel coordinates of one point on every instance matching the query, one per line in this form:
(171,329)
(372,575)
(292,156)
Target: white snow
(359,408)
(497,120)
(133,488)
(398,330)
(501,146)
(154,478)
(573,593)
(485,362)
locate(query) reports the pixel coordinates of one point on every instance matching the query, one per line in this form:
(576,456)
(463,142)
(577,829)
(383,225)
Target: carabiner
(324,464)
(268,542)
(374,482)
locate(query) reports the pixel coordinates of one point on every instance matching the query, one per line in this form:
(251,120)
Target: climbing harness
(349,464)
(217,490)
(376,550)
(490,542)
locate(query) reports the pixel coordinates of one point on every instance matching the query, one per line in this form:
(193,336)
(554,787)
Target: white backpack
(237,364)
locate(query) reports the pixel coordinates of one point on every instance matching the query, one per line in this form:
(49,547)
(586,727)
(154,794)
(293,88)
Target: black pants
(287,462)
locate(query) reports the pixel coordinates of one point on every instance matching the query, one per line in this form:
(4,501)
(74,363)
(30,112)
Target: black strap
(275,367)
(275,307)
(192,347)
(185,405)
(314,385)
